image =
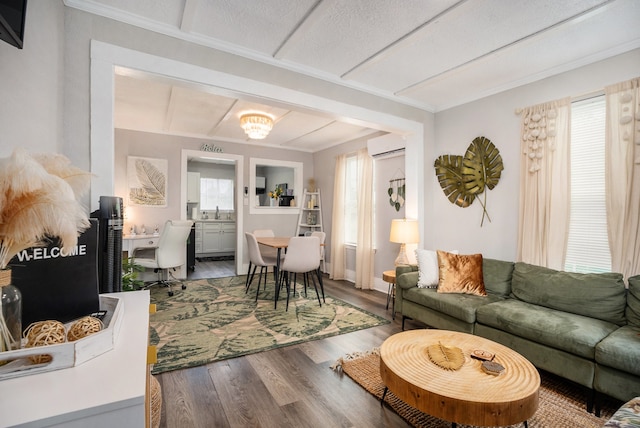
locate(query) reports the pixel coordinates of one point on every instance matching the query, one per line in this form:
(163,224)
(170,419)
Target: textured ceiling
(432,54)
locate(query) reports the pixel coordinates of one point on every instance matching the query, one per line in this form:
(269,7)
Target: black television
(12,14)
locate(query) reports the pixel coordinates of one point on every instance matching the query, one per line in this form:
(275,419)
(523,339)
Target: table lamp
(404,231)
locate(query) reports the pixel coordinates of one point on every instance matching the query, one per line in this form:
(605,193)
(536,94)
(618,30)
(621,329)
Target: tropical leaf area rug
(561,405)
(213,319)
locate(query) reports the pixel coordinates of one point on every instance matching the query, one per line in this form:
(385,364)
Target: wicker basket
(156,401)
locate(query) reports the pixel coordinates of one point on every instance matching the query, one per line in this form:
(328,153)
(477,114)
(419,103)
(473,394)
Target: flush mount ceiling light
(257,126)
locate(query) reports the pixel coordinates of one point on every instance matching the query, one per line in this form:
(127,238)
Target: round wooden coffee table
(468,395)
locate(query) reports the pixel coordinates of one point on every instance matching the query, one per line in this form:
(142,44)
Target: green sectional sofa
(583,327)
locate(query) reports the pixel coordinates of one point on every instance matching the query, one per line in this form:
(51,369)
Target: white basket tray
(67,354)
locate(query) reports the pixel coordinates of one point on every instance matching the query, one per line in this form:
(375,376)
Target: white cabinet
(215,238)
(227,237)
(210,237)
(106,391)
(193,187)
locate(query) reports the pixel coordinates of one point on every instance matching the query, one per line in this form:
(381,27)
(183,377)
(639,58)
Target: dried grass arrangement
(39,199)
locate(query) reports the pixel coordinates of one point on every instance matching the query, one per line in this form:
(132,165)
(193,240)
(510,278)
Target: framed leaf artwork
(147,180)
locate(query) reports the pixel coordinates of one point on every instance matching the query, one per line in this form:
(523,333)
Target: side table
(390,277)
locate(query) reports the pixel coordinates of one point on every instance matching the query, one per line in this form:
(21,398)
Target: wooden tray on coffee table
(468,395)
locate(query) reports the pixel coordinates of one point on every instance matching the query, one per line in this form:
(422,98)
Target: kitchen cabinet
(214,238)
(193,187)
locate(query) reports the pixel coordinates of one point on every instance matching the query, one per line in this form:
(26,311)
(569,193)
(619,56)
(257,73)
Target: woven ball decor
(43,333)
(84,327)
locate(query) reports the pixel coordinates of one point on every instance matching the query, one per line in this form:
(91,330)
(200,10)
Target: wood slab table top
(468,395)
(274,242)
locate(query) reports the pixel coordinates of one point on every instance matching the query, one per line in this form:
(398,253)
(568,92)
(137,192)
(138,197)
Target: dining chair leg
(306,281)
(319,274)
(250,277)
(288,284)
(266,274)
(316,287)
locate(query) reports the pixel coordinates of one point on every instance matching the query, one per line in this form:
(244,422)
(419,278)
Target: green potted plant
(130,281)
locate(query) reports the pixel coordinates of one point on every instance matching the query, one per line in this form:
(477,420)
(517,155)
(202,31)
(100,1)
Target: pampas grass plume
(39,200)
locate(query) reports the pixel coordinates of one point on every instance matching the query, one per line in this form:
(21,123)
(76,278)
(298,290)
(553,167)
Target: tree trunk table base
(468,395)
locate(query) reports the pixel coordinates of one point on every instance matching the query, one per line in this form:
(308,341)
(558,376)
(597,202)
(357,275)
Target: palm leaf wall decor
(449,172)
(464,178)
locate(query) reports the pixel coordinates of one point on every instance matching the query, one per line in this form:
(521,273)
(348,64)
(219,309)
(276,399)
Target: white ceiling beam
(567,21)
(188,13)
(396,45)
(171,109)
(214,128)
(313,16)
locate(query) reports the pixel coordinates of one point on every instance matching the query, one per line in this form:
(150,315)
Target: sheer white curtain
(543,225)
(364,248)
(622,172)
(337,221)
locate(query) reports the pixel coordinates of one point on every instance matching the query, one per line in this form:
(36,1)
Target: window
(216,192)
(351,201)
(588,245)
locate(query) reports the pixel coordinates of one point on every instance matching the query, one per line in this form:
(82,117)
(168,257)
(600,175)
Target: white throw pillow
(428,270)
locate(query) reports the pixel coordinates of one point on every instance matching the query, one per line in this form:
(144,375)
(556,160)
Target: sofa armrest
(406,277)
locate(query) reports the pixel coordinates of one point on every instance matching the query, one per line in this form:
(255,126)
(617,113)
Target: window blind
(216,192)
(588,244)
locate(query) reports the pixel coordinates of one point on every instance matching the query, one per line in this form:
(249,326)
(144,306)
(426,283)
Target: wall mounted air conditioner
(386,146)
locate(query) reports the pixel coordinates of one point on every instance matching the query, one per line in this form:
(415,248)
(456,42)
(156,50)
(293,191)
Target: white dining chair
(303,257)
(256,259)
(322,236)
(266,251)
(170,253)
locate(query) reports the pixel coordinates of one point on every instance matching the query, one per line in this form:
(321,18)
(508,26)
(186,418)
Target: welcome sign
(58,285)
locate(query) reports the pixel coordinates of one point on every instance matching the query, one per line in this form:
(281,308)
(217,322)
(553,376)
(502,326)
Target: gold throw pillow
(460,274)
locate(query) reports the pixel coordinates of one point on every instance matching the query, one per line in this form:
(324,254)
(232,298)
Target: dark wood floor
(287,387)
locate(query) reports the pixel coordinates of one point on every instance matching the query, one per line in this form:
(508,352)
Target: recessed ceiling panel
(457,39)
(257,25)
(607,31)
(331,135)
(195,112)
(140,104)
(340,35)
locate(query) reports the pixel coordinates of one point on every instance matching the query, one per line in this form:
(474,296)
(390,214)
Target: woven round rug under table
(468,395)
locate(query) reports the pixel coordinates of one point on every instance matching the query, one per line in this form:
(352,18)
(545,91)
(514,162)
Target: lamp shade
(404,231)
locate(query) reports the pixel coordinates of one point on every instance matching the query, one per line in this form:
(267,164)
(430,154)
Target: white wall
(31,83)
(386,252)
(452,227)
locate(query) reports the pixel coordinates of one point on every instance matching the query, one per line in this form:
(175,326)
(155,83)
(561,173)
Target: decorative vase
(273,202)
(10,313)
(311,219)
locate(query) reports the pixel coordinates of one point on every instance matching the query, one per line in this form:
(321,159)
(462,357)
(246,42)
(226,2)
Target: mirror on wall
(269,177)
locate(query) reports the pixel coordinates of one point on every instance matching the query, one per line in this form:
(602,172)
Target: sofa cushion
(621,350)
(596,295)
(572,333)
(497,276)
(459,306)
(460,274)
(428,268)
(633,301)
